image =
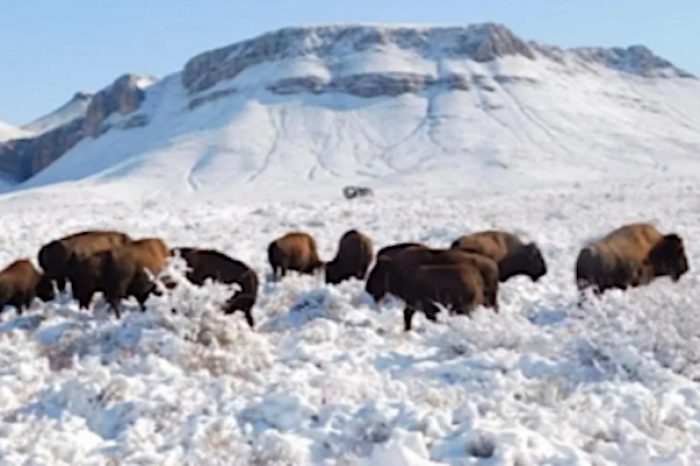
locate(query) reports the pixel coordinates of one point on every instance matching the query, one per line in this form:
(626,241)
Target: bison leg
(61,284)
(243,303)
(408,317)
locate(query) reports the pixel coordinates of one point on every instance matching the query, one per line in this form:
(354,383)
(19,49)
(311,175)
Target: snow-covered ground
(328,379)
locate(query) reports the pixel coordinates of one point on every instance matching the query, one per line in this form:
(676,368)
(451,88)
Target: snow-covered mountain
(327,105)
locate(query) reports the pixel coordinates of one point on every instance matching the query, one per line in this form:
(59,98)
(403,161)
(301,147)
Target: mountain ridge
(484,66)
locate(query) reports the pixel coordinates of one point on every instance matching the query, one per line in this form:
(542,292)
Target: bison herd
(462,277)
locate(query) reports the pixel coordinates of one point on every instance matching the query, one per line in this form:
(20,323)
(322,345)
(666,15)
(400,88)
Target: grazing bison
(512,255)
(20,283)
(421,277)
(352,259)
(120,272)
(294,251)
(54,256)
(206,264)
(630,256)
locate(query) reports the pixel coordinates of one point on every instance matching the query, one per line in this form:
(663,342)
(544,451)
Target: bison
(421,277)
(20,283)
(294,251)
(512,255)
(206,264)
(630,256)
(118,273)
(352,259)
(54,256)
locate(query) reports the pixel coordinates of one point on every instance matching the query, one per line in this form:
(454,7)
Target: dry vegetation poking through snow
(329,379)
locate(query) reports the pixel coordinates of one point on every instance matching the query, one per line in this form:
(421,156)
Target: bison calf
(512,255)
(20,283)
(352,259)
(630,256)
(294,251)
(206,264)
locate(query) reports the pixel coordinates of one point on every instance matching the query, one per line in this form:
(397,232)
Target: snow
(8,132)
(327,377)
(71,110)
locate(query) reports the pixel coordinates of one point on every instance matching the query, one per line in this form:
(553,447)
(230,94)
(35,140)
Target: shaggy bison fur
(512,255)
(54,256)
(294,251)
(630,256)
(120,272)
(206,264)
(20,283)
(422,276)
(352,259)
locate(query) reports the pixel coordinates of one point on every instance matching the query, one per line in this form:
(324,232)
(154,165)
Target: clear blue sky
(50,49)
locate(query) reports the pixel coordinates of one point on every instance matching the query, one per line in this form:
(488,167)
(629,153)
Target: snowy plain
(329,379)
(560,150)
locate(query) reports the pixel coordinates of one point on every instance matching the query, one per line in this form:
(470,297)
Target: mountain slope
(310,109)
(71,110)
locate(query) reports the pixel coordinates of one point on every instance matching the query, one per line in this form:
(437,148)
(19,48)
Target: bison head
(378,280)
(44,289)
(668,257)
(535,265)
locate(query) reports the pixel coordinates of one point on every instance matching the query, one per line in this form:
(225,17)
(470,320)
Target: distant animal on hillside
(422,277)
(294,251)
(20,283)
(352,192)
(206,264)
(54,256)
(630,256)
(127,270)
(353,258)
(512,255)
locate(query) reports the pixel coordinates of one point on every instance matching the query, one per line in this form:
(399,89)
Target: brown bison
(54,256)
(294,251)
(206,264)
(123,271)
(352,259)
(20,283)
(630,256)
(512,255)
(422,277)
(391,251)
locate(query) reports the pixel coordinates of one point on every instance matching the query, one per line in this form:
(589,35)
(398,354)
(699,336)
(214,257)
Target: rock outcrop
(124,96)
(481,43)
(23,158)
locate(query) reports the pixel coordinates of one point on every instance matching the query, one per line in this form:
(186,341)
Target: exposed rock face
(481,43)
(637,59)
(23,158)
(124,97)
